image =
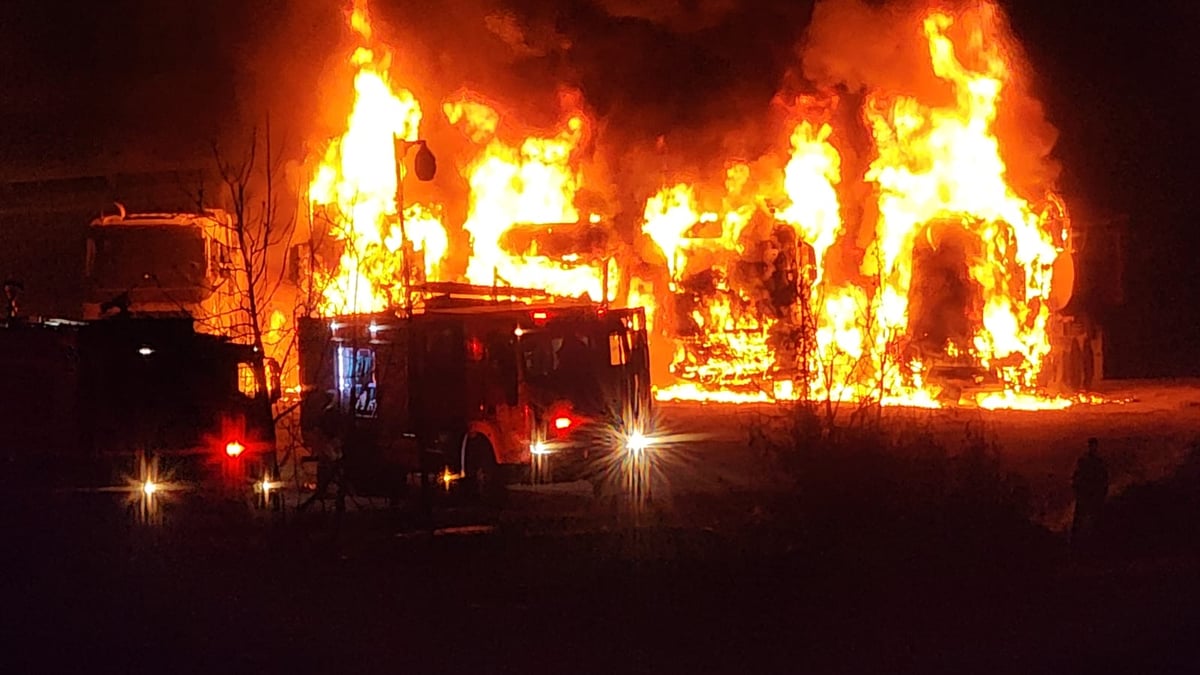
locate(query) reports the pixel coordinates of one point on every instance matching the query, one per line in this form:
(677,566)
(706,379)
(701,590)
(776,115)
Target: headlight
(636,442)
(538,448)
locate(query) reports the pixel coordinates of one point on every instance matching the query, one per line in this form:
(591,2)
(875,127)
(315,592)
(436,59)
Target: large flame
(800,277)
(940,181)
(532,183)
(354,193)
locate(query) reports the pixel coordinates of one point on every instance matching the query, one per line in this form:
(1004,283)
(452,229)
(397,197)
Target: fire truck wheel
(483,478)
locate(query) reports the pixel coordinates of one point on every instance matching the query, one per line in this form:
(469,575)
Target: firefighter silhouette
(327,446)
(12,290)
(1090,483)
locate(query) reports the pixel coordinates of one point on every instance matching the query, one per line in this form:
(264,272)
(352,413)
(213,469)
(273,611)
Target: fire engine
(476,383)
(81,399)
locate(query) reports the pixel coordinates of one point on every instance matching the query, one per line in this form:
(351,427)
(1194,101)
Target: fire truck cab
(479,390)
(80,400)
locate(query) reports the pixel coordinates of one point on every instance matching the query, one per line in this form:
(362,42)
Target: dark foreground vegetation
(883,553)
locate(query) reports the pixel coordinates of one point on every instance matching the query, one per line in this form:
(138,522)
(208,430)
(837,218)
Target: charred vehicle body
(82,400)
(481,390)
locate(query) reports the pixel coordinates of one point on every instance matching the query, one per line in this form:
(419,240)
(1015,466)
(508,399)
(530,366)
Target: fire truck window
(572,351)
(616,350)
(547,355)
(541,355)
(356,379)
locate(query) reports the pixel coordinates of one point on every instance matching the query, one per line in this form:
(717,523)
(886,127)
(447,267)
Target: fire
(810,179)
(355,188)
(940,188)
(945,164)
(532,184)
(893,263)
(668,217)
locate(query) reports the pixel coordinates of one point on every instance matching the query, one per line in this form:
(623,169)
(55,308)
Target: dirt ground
(721,569)
(1143,431)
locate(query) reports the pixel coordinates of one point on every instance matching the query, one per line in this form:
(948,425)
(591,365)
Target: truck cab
(165,264)
(82,399)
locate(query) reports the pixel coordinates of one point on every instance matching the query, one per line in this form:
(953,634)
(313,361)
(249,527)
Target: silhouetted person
(1090,483)
(12,309)
(327,445)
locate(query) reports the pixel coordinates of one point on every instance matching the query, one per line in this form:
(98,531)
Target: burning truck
(897,257)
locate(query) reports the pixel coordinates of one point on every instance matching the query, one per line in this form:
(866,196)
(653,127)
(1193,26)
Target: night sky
(143,84)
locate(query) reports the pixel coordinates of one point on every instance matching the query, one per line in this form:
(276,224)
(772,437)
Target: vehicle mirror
(425,164)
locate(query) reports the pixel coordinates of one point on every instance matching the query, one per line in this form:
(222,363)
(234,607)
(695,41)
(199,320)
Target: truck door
(438,389)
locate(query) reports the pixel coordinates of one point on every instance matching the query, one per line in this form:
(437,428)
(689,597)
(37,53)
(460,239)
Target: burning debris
(880,250)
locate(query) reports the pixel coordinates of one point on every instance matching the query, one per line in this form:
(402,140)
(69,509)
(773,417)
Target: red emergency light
(234,448)
(475,349)
(563,423)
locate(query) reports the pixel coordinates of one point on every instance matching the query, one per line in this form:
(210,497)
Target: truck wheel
(482,476)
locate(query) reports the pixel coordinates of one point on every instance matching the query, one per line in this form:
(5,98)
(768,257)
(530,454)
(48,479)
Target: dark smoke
(678,15)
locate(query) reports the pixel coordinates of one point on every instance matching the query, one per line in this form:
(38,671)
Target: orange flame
(939,178)
(354,191)
(532,183)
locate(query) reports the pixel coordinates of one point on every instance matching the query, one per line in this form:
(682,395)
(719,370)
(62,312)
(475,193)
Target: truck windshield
(564,364)
(124,257)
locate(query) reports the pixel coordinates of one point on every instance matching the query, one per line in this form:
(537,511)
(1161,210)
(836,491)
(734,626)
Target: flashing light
(637,442)
(475,349)
(145,351)
(538,448)
(234,448)
(519,331)
(562,423)
(149,488)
